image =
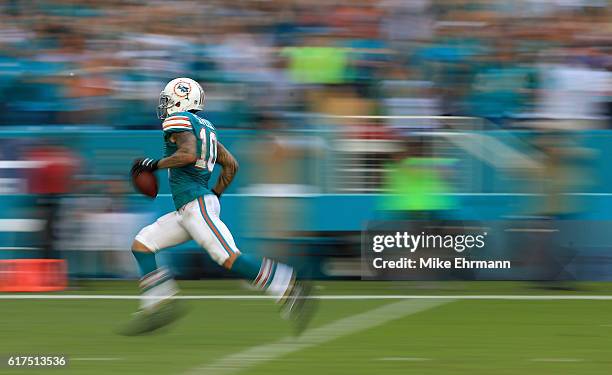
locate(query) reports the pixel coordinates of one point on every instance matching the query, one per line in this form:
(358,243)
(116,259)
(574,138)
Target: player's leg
(156,283)
(201,220)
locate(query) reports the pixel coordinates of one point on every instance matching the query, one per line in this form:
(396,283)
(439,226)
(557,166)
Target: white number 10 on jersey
(203,162)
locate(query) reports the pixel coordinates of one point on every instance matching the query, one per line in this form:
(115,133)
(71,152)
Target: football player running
(191,151)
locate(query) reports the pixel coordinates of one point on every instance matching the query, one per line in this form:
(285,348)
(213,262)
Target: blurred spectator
(501,86)
(417,182)
(49,179)
(574,88)
(103,63)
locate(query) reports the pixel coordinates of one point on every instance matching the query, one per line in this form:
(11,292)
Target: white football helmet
(179,95)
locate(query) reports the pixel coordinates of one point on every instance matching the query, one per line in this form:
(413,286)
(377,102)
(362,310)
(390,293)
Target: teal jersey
(191,181)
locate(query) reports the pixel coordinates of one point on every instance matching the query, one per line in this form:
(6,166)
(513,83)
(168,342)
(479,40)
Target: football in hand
(146,183)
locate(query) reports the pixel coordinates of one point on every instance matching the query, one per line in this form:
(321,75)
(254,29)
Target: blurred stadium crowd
(103,63)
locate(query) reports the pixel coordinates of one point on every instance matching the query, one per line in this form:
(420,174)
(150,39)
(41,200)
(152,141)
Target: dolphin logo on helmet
(180,95)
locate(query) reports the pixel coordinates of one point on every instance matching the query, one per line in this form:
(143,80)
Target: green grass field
(246,336)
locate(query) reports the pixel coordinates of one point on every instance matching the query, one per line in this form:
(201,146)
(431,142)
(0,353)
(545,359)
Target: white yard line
(560,360)
(407,359)
(360,322)
(96,359)
(320,297)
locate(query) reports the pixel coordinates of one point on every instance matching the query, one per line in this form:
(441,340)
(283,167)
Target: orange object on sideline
(33,275)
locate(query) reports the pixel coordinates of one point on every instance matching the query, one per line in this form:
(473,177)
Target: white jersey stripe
(177,118)
(178,127)
(176,122)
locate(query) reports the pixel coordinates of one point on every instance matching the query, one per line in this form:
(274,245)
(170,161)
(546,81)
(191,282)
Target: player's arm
(184,155)
(229,166)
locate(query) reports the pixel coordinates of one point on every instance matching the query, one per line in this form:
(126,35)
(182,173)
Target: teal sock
(146,262)
(265,274)
(247,266)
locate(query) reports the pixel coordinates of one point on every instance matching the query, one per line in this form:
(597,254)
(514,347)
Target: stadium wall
(108,154)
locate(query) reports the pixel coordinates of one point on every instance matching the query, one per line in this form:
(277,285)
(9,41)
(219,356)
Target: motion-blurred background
(339,112)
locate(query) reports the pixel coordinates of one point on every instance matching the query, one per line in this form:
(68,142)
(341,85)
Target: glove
(144,165)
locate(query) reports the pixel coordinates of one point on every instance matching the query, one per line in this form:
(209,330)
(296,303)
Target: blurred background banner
(339,112)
